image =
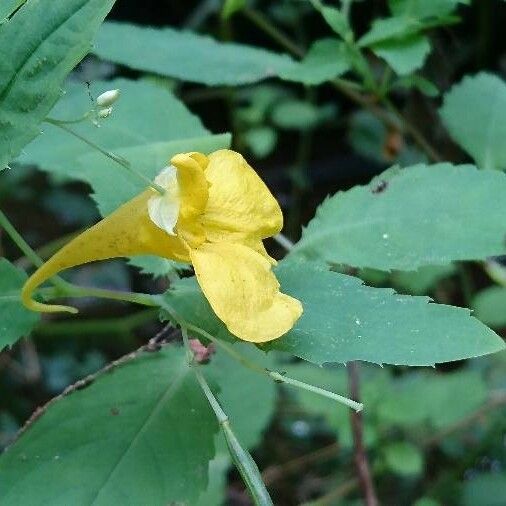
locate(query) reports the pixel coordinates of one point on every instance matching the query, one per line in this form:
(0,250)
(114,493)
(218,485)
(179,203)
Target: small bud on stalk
(105,113)
(107,98)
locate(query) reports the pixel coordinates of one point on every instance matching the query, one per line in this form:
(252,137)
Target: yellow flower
(214,214)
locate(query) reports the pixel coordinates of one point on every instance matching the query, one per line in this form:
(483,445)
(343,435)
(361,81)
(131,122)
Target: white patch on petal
(164,209)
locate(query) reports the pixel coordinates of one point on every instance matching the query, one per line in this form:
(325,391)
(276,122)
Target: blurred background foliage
(434,436)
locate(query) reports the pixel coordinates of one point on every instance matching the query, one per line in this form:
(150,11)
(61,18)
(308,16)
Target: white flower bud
(107,98)
(105,113)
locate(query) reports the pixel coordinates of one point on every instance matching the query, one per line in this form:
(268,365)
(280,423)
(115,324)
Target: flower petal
(194,193)
(164,209)
(243,291)
(127,231)
(238,199)
(216,234)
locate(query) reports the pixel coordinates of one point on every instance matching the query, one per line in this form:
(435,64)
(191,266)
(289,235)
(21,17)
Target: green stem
(19,241)
(115,158)
(274,375)
(262,22)
(29,253)
(242,459)
(71,290)
(69,121)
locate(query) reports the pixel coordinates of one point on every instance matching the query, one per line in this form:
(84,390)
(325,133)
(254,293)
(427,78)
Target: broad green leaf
(420,83)
(217,488)
(142,434)
(344,320)
(387,29)
(489,306)
(404,219)
(421,9)
(40,45)
(405,55)
(397,28)
(404,458)
(426,501)
(186,55)
(8,7)
(485,490)
(325,60)
(300,115)
(335,19)
(148,125)
(261,140)
(15,320)
(423,280)
(474,112)
(191,57)
(158,267)
(436,399)
(144,114)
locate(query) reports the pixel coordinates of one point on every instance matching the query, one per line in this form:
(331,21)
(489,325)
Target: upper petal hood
(239,201)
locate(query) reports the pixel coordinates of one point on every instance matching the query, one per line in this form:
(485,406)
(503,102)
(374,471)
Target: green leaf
(141,434)
(186,55)
(405,55)
(439,400)
(418,82)
(485,490)
(335,19)
(144,114)
(261,140)
(423,280)
(387,29)
(158,267)
(421,9)
(15,320)
(40,45)
(148,125)
(344,320)
(300,115)
(400,27)
(489,306)
(230,7)
(8,7)
(474,112)
(404,459)
(325,60)
(412,217)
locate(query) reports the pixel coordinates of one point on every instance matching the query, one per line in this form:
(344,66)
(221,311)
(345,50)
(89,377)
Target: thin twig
(361,461)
